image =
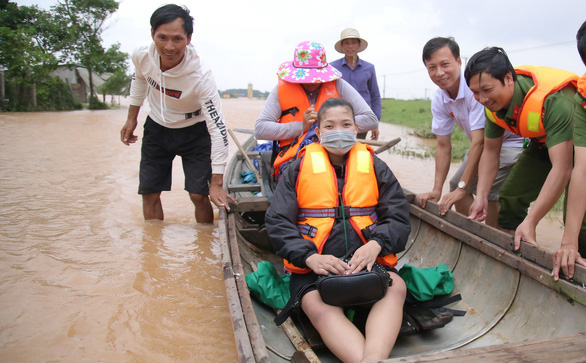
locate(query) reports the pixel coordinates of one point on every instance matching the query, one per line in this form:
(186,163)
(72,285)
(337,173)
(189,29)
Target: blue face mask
(338,142)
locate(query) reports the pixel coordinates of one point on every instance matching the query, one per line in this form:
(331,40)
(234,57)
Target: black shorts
(160,145)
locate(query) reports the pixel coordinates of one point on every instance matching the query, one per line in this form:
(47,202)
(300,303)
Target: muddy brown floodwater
(83,277)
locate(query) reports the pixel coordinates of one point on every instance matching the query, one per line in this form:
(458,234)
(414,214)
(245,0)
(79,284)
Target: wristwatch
(461,184)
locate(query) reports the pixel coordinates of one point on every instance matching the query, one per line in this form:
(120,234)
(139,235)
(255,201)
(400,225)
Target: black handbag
(360,288)
(363,287)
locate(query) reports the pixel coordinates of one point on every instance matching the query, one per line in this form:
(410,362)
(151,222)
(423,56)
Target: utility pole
(384,85)
(2,92)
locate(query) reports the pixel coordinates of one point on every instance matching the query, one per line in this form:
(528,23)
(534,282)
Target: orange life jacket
(294,103)
(582,90)
(320,206)
(529,118)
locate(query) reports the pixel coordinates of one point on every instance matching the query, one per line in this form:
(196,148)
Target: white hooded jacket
(190,96)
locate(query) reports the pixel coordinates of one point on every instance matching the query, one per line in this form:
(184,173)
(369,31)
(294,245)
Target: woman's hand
(364,257)
(324,264)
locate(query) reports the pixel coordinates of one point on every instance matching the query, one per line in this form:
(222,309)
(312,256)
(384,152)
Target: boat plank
(250,154)
(242,339)
(256,339)
(239,188)
(565,349)
(250,204)
(299,342)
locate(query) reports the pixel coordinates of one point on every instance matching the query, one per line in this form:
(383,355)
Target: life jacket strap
(307,230)
(439,303)
(336,212)
(283,149)
(294,302)
(539,139)
(293,111)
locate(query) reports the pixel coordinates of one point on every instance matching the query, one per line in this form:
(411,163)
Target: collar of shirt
(461,91)
(345,62)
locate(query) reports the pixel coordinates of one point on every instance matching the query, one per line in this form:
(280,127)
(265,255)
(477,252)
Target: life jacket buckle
(308,230)
(338,212)
(284,149)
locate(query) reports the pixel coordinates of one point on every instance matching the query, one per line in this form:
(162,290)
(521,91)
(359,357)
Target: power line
(509,51)
(401,73)
(542,46)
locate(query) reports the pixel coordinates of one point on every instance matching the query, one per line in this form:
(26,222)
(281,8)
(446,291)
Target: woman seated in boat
(290,112)
(375,225)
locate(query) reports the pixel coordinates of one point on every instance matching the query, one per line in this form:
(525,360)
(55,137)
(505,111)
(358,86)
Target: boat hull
(509,297)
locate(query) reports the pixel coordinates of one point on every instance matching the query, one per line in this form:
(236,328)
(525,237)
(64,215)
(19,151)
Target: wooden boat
(515,310)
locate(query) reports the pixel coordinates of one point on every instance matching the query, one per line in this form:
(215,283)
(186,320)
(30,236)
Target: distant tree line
(33,42)
(243,92)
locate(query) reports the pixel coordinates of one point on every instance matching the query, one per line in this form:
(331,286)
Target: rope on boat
(280,355)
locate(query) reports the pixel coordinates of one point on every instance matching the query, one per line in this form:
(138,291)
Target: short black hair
(331,103)
(581,39)
(491,60)
(435,44)
(168,13)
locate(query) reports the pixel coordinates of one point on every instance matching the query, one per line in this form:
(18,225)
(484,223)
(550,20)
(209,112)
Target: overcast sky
(244,41)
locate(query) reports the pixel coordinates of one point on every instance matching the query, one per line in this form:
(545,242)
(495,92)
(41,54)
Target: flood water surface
(83,276)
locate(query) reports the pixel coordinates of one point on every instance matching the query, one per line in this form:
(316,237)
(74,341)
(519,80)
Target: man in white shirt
(454,103)
(185,119)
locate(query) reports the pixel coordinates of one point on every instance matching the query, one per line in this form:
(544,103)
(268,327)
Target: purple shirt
(363,79)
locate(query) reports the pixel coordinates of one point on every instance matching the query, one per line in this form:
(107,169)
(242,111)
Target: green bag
(267,286)
(425,283)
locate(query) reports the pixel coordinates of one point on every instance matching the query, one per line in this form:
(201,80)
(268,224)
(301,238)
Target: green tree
(117,84)
(85,21)
(30,38)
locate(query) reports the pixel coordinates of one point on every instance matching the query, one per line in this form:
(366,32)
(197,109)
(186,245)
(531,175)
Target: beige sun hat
(350,33)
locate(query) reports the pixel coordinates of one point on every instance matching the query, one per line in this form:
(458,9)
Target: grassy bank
(416,114)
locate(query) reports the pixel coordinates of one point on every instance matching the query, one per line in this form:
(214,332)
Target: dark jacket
(391,232)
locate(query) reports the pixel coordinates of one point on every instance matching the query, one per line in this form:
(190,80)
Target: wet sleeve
(393,226)
(267,125)
(365,119)
(216,124)
(281,221)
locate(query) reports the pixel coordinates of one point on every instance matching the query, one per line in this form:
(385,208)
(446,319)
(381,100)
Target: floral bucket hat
(309,65)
